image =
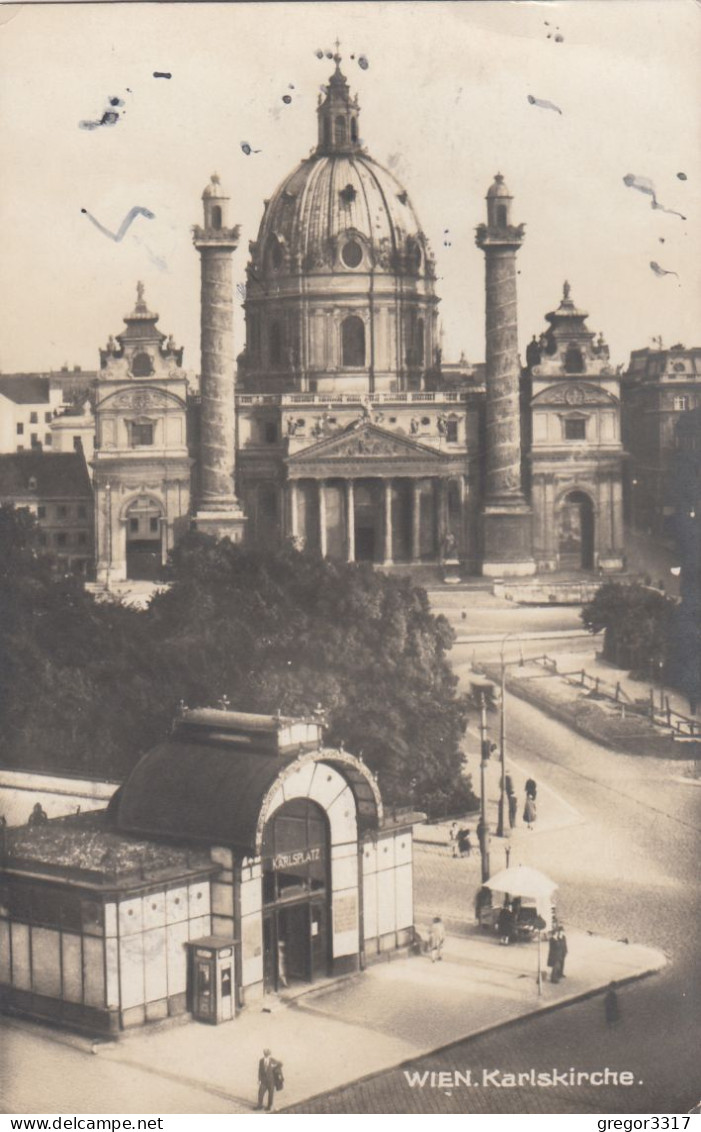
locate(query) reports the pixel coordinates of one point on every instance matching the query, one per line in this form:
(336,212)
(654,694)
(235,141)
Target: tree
(636,621)
(89,686)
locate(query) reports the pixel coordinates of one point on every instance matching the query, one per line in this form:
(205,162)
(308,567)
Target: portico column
(415,520)
(388,522)
(350,521)
(294,510)
(322,517)
(442,514)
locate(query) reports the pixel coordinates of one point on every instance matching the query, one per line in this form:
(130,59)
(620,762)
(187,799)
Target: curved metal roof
(210,792)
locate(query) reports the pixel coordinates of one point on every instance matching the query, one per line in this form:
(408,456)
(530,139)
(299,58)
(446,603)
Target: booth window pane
(72,967)
(91,913)
(93,971)
(46,962)
(4,951)
(20,956)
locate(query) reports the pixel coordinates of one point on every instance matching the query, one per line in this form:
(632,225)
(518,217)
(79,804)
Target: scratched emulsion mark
(554,34)
(130,217)
(110,116)
(543,103)
(287,98)
(645,185)
(162,74)
(248,149)
(661,270)
(682,176)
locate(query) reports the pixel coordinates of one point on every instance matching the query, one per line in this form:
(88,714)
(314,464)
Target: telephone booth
(212,979)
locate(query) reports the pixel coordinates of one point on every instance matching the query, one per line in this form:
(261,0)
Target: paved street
(628,870)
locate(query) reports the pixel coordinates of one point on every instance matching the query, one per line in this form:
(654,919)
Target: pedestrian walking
(508,785)
(513,809)
(436,939)
(557,951)
(269,1074)
(505,924)
(531,788)
(612,1011)
(529,812)
(453,838)
(464,843)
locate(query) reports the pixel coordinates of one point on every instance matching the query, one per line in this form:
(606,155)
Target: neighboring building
(341,444)
(56,488)
(73,430)
(28,404)
(141,462)
(576,454)
(659,387)
(236,836)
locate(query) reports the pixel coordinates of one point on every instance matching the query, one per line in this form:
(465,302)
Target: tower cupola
(338,115)
(216,206)
(499,202)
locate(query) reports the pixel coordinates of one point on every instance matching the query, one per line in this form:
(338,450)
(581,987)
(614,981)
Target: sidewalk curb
(581,996)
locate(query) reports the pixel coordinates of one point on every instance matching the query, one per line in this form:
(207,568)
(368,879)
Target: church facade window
(575,428)
(352,253)
(574,362)
(141,365)
(353,342)
(141,434)
(340,131)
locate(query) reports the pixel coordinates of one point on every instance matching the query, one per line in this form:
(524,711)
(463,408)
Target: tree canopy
(88,686)
(637,621)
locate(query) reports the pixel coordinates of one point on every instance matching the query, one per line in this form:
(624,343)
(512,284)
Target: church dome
(340,285)
(341,210)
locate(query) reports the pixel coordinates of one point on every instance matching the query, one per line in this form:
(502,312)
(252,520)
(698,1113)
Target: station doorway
(296,896)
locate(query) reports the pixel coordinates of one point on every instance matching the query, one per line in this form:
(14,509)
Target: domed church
(346,441)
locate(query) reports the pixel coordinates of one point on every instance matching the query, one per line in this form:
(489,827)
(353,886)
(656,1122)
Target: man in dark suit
(266,1078)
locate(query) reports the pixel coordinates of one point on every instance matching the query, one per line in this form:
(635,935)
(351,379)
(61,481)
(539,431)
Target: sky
(444,104)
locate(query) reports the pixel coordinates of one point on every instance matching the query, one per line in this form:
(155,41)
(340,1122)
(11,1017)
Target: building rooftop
(46,475)
(87,848)
(25,389)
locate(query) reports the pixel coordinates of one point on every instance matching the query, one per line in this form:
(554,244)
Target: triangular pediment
(572,394)
(365,441)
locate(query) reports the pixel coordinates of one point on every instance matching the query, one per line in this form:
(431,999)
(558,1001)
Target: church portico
(368,495)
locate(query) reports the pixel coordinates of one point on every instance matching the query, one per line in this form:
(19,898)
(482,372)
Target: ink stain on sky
(645,185)
(110,116)
(682,176)
(543,103)
(119,235)
(162,74)
(248,149)
(661,270)
(363,62)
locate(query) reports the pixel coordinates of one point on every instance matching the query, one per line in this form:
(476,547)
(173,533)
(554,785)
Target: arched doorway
(296,895)
(144,531)
(576,532)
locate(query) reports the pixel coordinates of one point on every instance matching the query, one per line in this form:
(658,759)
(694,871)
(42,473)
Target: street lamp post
(503,829)
(483,828)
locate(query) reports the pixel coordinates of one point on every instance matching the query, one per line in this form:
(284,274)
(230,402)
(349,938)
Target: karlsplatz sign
(291,860)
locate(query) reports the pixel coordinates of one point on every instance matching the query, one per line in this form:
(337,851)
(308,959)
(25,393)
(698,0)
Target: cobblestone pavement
(628,869)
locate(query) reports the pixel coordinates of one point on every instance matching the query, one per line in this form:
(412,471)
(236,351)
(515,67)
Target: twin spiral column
(219,511)
(507,534)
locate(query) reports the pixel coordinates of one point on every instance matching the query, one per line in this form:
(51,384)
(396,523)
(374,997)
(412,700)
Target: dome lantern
(338,116)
